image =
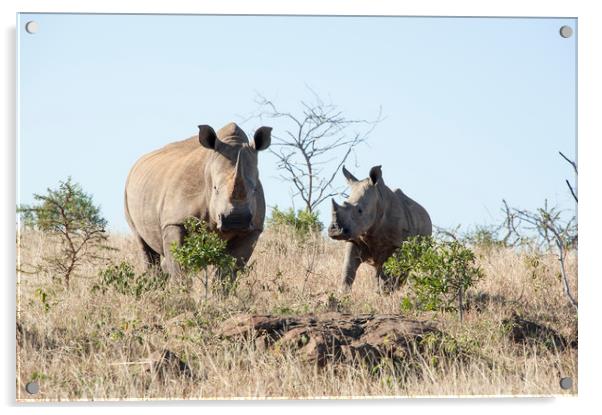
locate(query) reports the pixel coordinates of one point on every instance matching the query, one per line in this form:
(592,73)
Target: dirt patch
(338,337)
(522,330)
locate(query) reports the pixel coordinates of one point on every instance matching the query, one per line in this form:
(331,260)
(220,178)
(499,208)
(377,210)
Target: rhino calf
(212,177)
(373,222)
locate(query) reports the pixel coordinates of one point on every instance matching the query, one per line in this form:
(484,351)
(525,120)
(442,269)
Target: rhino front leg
(379,279)
(171,234)
(241,248)
(350,266)
(385,283)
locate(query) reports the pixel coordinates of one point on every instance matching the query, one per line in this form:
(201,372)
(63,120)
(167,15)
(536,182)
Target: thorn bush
(438,273)
(123,279)
(69,214)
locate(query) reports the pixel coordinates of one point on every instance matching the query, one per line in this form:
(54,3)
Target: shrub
(303,222)
(69,214)
(123,279)
(438,273)
(486,237)
(482,236)
(201,249)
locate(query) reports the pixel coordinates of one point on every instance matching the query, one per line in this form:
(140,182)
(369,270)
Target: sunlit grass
(84,344)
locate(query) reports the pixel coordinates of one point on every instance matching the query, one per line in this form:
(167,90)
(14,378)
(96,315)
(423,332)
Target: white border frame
(589,93)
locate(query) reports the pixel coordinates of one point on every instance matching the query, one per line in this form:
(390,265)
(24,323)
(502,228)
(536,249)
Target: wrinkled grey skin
(212,177)
(373,222)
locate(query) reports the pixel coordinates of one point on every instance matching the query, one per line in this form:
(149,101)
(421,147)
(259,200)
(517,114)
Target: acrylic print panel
(295,207)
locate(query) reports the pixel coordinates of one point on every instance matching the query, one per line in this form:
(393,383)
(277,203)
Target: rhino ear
(376,174)
(350,177)
(207,137)
(262,138)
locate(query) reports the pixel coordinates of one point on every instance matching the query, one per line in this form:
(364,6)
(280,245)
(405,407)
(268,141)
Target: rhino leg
(151,258)
(350,266)
(385,283)
(379,278)
(240,248)
(171,234)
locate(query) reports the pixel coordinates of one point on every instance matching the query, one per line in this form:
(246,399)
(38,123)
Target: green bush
(303,222)
(123,279)
(481,236)
(486,237)
(438,273)
(70,215)
(201,249)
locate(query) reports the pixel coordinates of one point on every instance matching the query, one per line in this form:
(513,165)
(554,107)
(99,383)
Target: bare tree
(572,163)
(314,145)
(553,232)
(513,236)
(545,229)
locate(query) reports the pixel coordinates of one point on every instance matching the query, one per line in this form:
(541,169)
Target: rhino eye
(359,210)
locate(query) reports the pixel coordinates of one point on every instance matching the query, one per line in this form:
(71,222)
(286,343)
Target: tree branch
(571,162)
(311,140)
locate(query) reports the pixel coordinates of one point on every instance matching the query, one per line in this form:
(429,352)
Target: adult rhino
(212,177)
(374,221)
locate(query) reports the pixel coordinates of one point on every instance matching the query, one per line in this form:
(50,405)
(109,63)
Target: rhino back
(418,221)
(164,187)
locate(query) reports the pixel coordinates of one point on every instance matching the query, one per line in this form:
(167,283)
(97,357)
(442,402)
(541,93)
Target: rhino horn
(239,191)
(335,206)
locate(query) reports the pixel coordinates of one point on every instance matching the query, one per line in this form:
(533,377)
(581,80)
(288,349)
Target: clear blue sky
(476,109)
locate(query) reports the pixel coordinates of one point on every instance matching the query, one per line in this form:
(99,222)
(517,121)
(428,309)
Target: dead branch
(547,222)
(572,191)
(572,163)
(308,144)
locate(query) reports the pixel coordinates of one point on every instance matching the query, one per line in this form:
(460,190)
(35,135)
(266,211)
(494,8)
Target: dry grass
(89,345)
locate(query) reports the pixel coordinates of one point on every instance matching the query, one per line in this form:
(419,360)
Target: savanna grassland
(78,342)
